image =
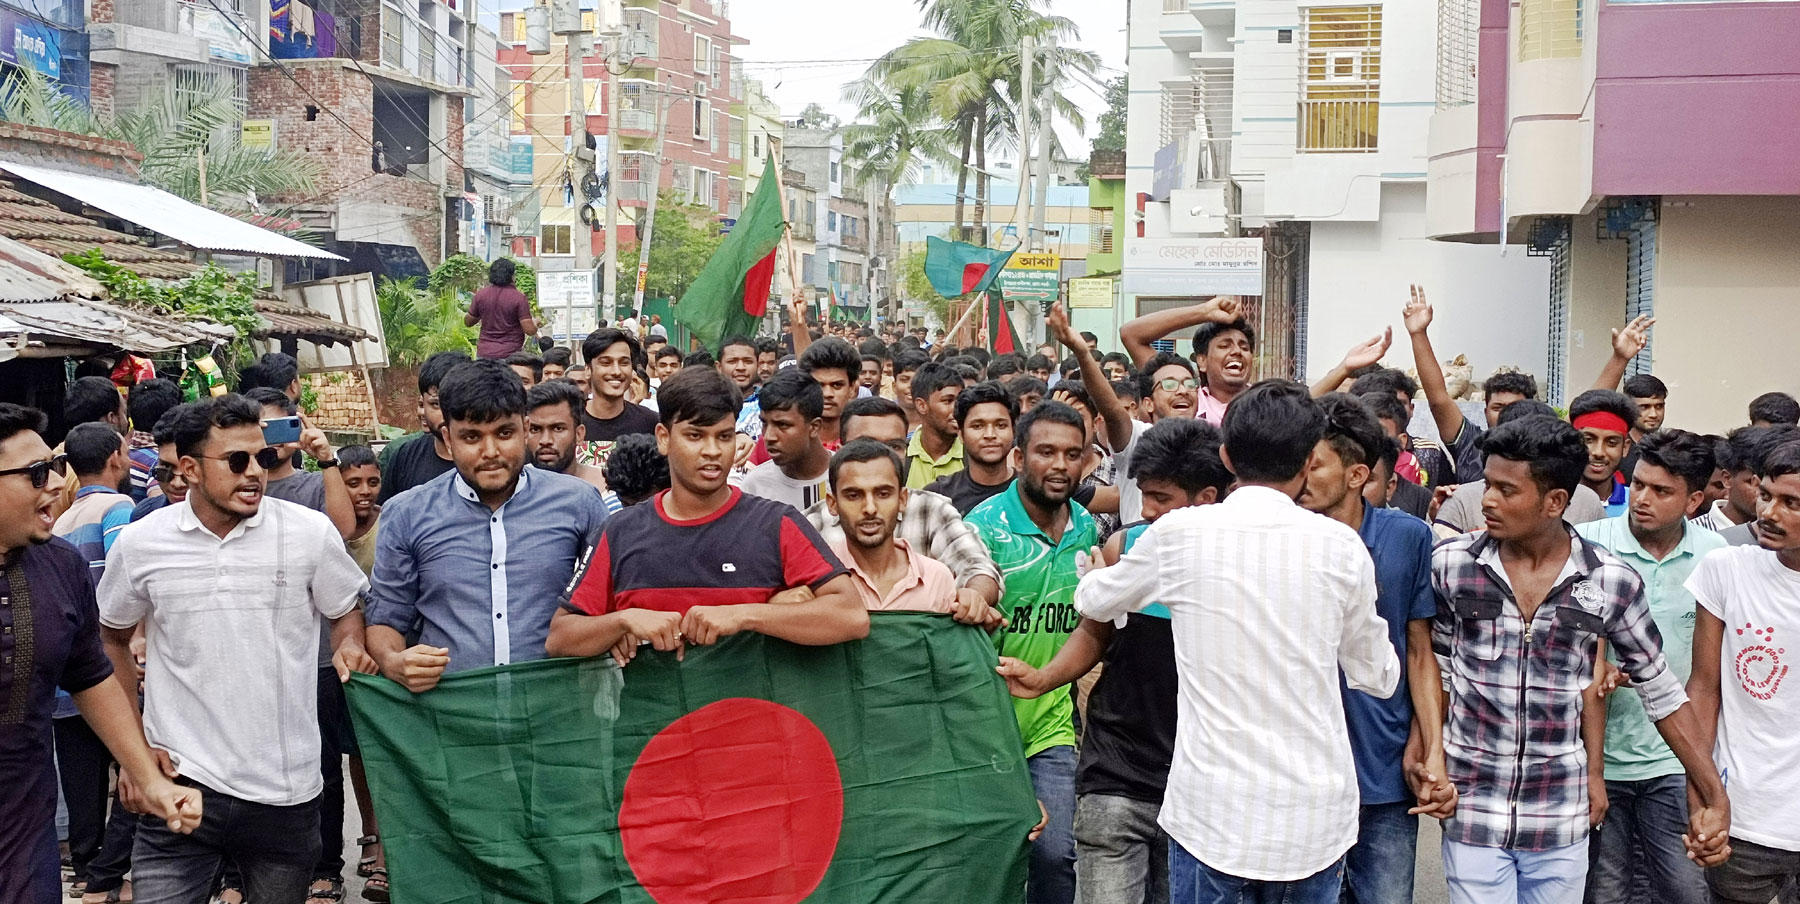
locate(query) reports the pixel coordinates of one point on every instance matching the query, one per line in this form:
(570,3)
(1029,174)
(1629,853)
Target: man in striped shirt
(96,453)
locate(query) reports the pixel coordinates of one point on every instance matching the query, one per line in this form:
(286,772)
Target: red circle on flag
(737,801)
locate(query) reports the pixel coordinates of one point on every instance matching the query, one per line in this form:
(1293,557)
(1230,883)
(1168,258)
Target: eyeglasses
(239,461)
(1170,384)
(40,470)
(163,472)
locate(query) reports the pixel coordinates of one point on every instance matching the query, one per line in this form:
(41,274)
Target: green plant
(463,273)
(417,323)
(915,284)
(213,294)
(309,397)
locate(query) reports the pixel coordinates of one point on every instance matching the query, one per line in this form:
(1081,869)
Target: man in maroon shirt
(701,560)
(502,312)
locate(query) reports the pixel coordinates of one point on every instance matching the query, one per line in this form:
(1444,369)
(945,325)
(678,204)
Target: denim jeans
(1121,854)
(1755,873)
(1193,882)
(1639,845)
(274,847)
(1486,875)
(1379,869)
(1052,874)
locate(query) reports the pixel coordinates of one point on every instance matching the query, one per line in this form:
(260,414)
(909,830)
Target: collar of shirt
(1615,534)
(1263,496)
(185,519)
(1208,408)
(468,492)
(1020,521)
(95,488)
(1581,561)
(915,448)
(912,578)
(1376,525)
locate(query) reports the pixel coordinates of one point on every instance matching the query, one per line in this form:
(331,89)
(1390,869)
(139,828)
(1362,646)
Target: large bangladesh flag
(884,770)
(959,268)
(732,291)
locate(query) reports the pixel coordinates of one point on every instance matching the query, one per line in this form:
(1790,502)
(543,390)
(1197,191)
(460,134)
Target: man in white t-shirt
(230,587)
(1748,620)
(793,406)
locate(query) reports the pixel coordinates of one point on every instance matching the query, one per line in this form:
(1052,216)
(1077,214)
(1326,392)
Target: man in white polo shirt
(230,588)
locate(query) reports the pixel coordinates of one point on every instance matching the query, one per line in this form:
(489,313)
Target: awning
(157,210)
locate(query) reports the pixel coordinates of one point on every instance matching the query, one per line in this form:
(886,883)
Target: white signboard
(1198,266)
(564,295)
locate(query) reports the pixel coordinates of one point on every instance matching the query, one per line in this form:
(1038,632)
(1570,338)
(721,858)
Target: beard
(561,464)
(1042,495)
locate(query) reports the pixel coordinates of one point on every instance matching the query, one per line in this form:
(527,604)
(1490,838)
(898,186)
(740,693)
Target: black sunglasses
(239,461)
(40,470)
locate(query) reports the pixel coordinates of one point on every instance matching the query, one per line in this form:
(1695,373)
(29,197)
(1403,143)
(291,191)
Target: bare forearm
(112,713)
(1083,650)
(1682,731)
(347,631)
(117,644)
(1425,684)
(1106,402)
(384,644)
(572,634)
(1593,728)
(986,586)
(831,617)
(338,506)
(1329,383)
(1612,373)
(1444,412)
(1137,333)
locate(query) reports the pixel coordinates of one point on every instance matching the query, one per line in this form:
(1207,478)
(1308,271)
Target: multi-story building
(137,47)
(803,231)
(928,209)
(1644,149)
(377,92)
(488,151)
(1301,129)
(677,79)
(759,121)
(1106,229)
(838,268)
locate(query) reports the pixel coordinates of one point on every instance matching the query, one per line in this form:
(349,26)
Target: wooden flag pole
(796,309)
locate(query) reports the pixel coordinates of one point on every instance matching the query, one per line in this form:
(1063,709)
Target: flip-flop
(334,893)
(365,866)
(376,890)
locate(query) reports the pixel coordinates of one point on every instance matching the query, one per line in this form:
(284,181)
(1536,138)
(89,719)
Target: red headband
(1602,420)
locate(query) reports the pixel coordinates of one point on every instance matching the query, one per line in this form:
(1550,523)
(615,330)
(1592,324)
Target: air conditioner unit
(491,211)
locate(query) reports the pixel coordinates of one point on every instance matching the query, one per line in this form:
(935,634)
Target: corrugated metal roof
(41,295)
(159,211)
(27,274)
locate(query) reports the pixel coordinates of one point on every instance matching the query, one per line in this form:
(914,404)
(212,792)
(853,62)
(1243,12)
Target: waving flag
(958,268)
(885,770)
(732,291)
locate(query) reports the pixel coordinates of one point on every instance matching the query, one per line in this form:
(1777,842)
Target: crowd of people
(1252,631)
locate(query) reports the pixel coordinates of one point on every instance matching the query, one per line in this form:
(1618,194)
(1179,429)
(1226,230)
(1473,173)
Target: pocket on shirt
(1576,636)
(1478,628)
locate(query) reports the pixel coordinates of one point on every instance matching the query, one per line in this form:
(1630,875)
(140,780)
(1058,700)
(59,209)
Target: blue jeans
(1379,869)
(274,847)
(1639,845)
(1052,873)
(1193,882)
(1486,875)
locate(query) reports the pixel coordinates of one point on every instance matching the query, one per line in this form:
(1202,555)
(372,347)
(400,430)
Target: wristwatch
(324,463)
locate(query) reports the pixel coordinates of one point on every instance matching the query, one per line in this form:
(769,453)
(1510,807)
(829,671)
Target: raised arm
(338,506)
(1417,318)
(1360,355)
(797,317)
(1139,332)
(1626,344)
(1110,409)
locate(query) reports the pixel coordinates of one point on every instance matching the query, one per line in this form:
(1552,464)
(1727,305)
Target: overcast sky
(785,33)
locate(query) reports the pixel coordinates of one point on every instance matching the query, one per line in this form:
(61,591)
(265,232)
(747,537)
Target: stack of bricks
(344,404)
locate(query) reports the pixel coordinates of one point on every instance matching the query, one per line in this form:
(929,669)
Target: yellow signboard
(258,135)
(1091,292)
(1034,262)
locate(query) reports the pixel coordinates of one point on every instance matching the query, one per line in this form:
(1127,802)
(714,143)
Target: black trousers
(99,842)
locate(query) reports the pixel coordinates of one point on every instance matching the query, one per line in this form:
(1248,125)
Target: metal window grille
(427,51)
(1174,6)
(1640,283)
(1556,372)
(1458,51)
(1100,229)
(393,37)
(1549,29)
(1340,79)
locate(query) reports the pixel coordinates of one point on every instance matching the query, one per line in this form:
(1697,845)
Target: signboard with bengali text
(1091,292)
(1194,267)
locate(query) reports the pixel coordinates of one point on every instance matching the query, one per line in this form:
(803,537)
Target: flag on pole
(959,268)
(885,770)
(1002,337)
(732,291)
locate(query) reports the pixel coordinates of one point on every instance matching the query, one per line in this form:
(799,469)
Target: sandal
(112,897)
(366,866)
(330,894)
(376,890)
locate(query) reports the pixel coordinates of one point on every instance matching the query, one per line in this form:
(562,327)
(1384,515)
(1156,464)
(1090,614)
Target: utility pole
(644,234)
(615,96)
(1039,237)
(1022,201)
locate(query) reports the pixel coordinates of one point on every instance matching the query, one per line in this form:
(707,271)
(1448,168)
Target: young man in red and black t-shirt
(702,560)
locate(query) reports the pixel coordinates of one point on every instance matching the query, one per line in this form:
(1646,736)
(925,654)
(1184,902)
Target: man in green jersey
(1041,542)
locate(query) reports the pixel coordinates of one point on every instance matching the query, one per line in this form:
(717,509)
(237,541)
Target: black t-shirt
(1410,498)
(964,492)
(633,419)
(413,464)
(1130,737)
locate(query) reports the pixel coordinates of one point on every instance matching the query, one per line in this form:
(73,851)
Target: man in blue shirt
(1379,868)
(525,528)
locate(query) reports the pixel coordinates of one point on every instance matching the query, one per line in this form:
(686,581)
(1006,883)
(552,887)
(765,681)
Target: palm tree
(193,116)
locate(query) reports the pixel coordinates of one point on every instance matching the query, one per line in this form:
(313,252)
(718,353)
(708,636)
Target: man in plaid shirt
(1522,607)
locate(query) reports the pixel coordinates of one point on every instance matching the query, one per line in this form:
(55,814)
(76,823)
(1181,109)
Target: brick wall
(100,10)
(69,151)
(101,79)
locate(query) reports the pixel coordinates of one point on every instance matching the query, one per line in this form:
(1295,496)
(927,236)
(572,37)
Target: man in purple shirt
(50,638)
(502,312)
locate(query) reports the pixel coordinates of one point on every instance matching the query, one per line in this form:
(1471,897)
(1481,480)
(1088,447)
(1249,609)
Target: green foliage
(525,280)
(1112,122)
(915,284)
(682,241)
(815,117)
(212,294)
(418,323)
(309,401)
(463,273)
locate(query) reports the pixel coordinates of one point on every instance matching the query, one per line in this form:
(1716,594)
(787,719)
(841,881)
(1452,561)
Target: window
(393,37)
(756,146)
(703,55)
(702,120)
(555,240)
(588,21)
(519,95)
(427,52)
(703,187)
(831,221)
(850,226)
(1100,226)
(1549,29)
(1340,79)
(834,171)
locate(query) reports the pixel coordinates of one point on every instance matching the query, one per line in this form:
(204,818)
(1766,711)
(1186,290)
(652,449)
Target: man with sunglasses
(49,639)
(237,722)
(167,470)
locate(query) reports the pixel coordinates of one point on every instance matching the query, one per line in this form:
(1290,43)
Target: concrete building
(488,222)
(1106,233)
(677,76)
(138,46)
(1300,130)
(839,269)
(1653,182)
(759,122)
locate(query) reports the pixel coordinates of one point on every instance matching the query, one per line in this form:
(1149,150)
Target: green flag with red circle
(885,770)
